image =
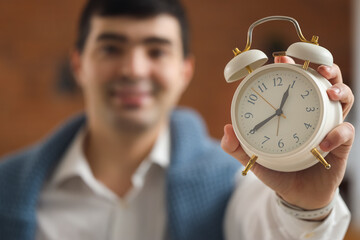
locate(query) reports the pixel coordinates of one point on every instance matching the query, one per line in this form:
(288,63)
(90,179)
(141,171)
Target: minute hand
(259,125)
(283,100)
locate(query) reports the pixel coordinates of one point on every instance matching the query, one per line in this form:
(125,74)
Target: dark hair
(134,8)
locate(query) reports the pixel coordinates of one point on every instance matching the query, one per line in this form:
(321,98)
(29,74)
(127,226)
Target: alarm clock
(281,112)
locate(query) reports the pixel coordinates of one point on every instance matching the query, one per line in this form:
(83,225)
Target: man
(135,168)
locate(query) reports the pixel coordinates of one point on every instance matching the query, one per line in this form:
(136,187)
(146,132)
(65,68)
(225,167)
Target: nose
(135,64)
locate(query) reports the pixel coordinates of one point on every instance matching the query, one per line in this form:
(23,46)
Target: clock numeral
(292,85)
(281,143)
(262,87)
(310,109)
(306,94)
(266,139)
(296,137)
(248,115)
(253,98)
(277,82)
(307,125)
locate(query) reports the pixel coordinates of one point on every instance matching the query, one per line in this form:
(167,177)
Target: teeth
(132,90)
(139,86)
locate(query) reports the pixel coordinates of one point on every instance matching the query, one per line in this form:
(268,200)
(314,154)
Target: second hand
(277,132)
(267,101)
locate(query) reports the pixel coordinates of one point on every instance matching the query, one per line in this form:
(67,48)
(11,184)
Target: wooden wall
(36,37)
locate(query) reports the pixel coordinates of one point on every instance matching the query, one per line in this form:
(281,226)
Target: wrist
(310,202)
(318,214)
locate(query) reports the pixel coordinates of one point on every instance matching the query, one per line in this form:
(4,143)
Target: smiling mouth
(130,98)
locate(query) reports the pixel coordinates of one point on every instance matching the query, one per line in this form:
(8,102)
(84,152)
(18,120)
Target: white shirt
(75,205)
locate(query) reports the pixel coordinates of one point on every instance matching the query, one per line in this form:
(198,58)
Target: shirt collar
(160,153)
(74,163)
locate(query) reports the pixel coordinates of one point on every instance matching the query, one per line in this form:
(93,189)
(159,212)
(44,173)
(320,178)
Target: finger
(341,92)
(231,145)
(284,59)
(333,73)
(342,135)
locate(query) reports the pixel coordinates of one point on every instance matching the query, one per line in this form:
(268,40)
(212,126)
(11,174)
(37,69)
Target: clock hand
(284,98)
(266,101)
(259,125)
(279,111)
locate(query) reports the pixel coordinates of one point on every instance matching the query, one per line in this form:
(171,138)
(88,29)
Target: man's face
(132,71)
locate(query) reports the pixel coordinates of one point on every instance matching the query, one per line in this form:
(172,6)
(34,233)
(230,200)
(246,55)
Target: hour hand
(259,125)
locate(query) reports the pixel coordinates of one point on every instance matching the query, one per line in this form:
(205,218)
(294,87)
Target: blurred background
(37,91)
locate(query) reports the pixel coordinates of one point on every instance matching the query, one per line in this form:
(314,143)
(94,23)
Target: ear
(189,66)
(76,65)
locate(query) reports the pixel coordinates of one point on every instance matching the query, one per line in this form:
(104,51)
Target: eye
(156,53)
(111,50)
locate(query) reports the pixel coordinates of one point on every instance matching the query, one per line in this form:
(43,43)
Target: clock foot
(321,159)
(249,164)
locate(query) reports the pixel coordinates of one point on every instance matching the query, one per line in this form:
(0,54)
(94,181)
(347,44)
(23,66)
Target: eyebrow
(157,40)
(112,36)
(124,39)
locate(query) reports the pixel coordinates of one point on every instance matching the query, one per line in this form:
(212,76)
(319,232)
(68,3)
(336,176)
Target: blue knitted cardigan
(200,180)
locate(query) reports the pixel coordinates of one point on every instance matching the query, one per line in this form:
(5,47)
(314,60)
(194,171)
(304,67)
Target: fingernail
(325,145)
(326,68)
(335,89)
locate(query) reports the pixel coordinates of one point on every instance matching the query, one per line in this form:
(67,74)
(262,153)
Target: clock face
(277,110)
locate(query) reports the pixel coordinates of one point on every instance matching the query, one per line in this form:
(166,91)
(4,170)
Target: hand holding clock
(314,187)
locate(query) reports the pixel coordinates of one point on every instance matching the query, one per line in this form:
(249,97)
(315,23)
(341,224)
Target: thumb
(231,145)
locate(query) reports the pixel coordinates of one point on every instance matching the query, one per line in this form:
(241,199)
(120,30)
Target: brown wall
(35,37)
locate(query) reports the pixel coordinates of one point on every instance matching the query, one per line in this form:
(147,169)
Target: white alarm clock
(281,112)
